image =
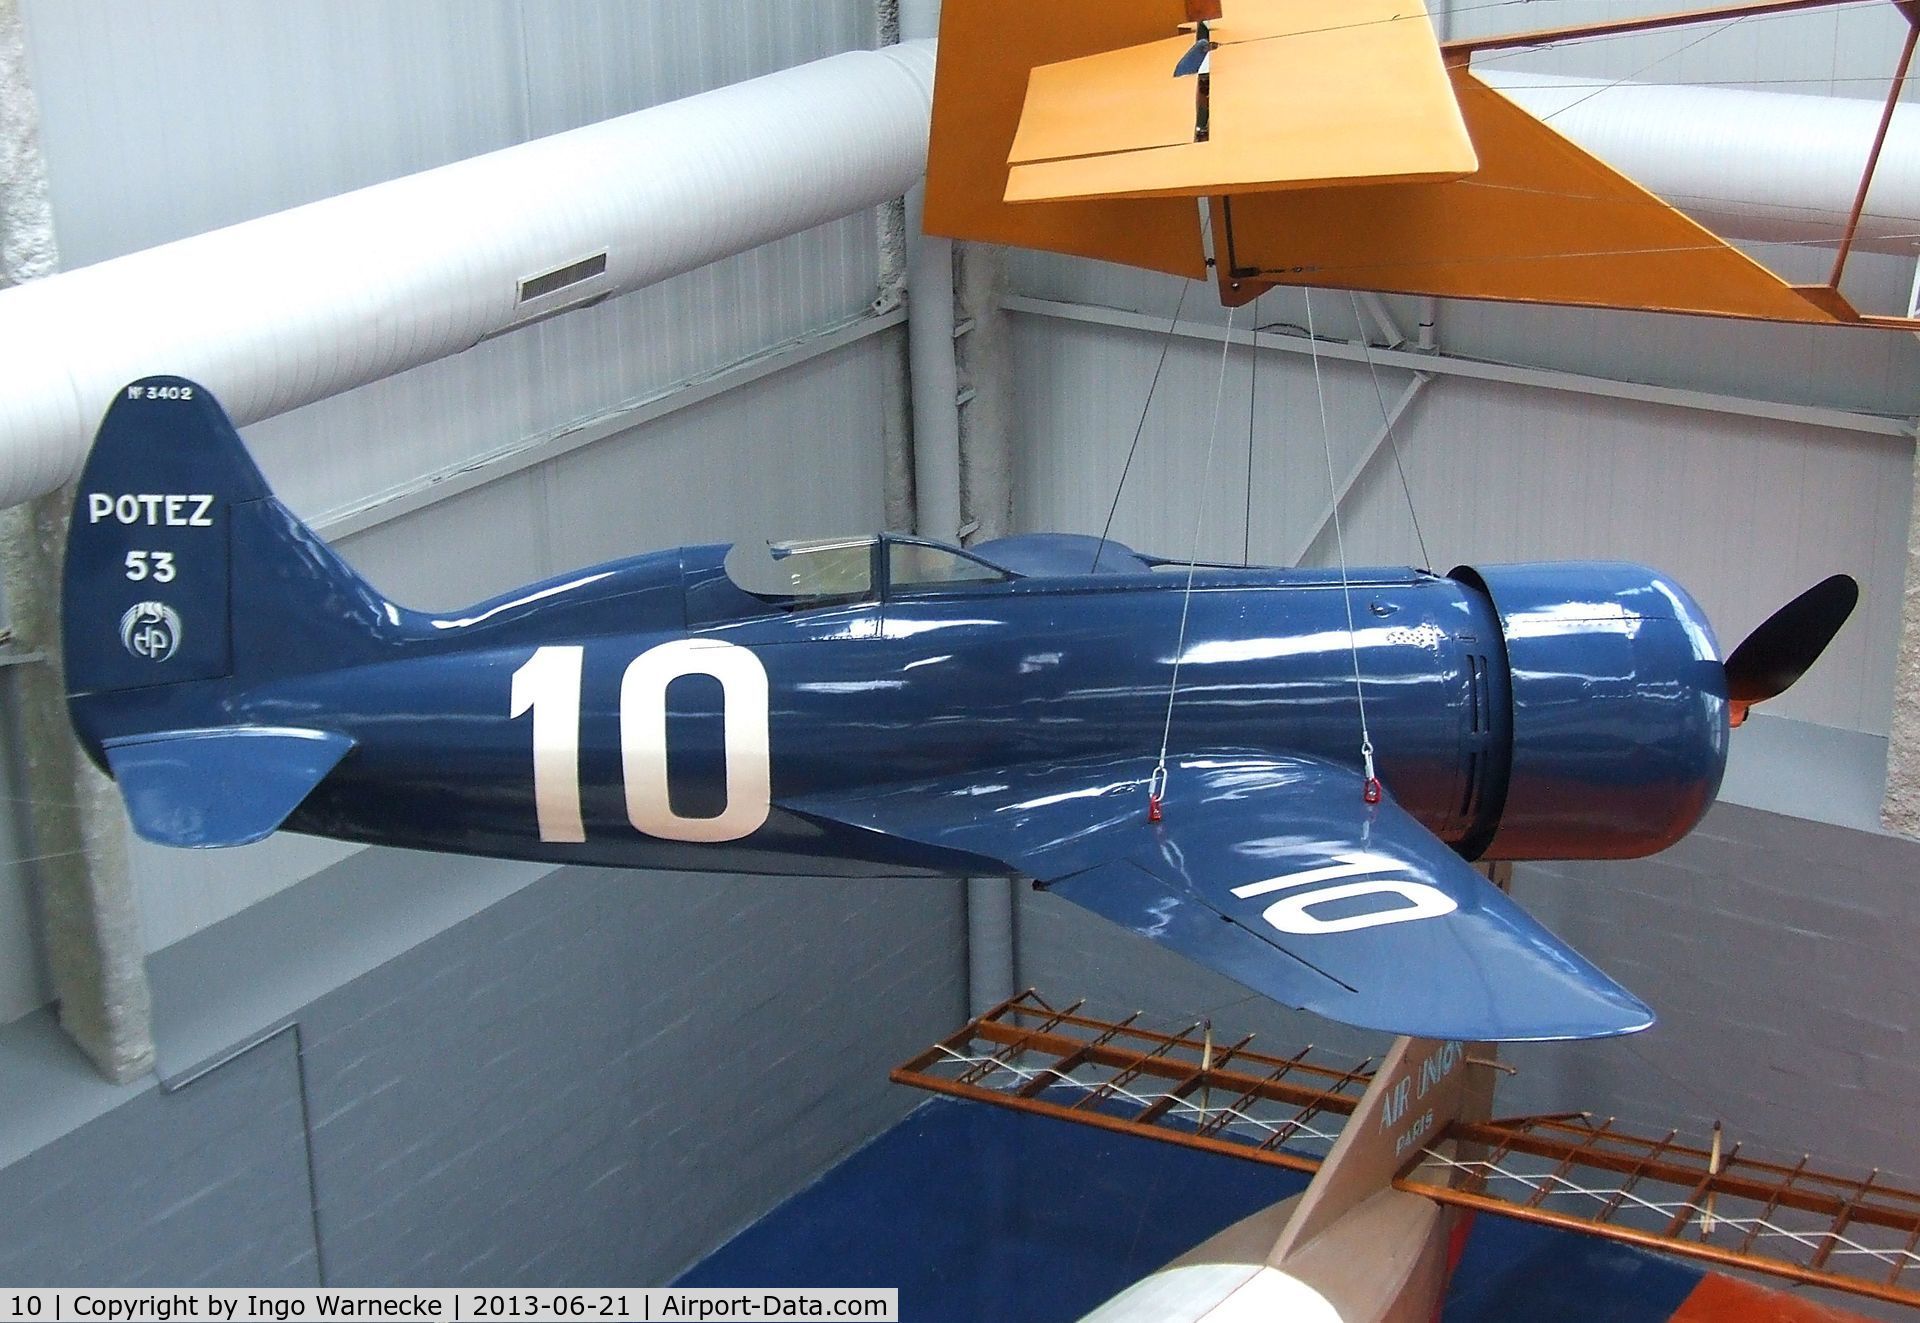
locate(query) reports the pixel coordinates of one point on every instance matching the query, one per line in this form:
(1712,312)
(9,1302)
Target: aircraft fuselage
(546,726)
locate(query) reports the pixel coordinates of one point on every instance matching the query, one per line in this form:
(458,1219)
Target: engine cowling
(1619,724)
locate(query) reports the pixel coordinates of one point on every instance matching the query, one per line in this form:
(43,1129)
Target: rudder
(183,567)
(149,565)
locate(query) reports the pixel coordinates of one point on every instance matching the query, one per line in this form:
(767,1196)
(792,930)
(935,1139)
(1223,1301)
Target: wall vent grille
(551,282)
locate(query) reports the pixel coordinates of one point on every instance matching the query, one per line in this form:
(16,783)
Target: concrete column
(896,423)
(986,380)
(90,922)
(27,248)
(89,918)
(934,378)
(1901,809)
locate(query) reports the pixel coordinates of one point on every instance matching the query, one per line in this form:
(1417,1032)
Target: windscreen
(804,573)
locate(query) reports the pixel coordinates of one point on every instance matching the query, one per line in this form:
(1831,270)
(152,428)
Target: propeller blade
(1196,55)
(1789,642)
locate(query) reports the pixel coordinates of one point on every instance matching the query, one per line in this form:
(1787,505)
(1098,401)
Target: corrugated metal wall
(1745,511)
(165,118)
(1776,953)
(1846,51)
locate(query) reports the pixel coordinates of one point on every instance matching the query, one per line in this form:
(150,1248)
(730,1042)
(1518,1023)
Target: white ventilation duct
(1765,166)
(290,308)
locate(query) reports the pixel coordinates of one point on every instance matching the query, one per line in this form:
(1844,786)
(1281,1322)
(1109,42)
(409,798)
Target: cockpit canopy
(827,571)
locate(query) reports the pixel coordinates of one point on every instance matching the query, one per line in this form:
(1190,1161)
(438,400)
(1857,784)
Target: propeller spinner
(1788,643)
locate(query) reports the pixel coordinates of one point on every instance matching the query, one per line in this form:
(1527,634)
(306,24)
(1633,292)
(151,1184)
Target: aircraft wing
(1303,96)
(1277,873)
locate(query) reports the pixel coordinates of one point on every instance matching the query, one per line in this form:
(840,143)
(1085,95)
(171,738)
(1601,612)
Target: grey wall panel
(164,118)
(23,981)
(443,416)
(1081,392)
(206,1186)
(1746,512)
(794,455)
(593,1080)
(1846,51)
(589,61)
(167,118)
(181,895)
(1863,370)
(601,1077)
(1777,953)
(461,550)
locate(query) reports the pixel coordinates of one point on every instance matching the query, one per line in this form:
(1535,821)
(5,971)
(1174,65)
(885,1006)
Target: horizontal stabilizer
(205,788)
(1276,872)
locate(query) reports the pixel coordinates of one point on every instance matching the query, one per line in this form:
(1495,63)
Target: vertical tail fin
(149,565)
(182,567)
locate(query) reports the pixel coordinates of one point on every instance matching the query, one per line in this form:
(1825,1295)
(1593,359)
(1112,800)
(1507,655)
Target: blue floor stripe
(983,1215)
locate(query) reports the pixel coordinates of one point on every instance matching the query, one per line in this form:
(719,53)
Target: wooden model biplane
(1332,143)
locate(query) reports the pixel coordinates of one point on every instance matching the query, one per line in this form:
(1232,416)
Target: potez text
(153,509)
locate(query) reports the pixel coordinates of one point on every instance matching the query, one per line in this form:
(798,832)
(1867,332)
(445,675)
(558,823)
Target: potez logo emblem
(150,630)
(1294,913)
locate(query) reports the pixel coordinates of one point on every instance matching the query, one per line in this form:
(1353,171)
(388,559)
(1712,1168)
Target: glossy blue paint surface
(1235,830)
(964,718)
(250,780)
(1619,711)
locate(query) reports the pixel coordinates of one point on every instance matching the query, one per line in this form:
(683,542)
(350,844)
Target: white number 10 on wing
(548,685)
(1293,913)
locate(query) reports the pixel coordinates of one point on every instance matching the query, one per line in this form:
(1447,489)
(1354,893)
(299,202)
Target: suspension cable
(1372,791)
(1140,428)
(1386,421)
(1253,412)
(1157,783)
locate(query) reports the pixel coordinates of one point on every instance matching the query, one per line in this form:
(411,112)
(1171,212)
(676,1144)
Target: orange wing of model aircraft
(1333,143)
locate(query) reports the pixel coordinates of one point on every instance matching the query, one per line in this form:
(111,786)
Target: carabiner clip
(1156,791)
(1372,792)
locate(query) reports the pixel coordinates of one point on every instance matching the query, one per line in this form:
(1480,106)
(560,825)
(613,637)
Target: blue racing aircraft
(1279,773)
